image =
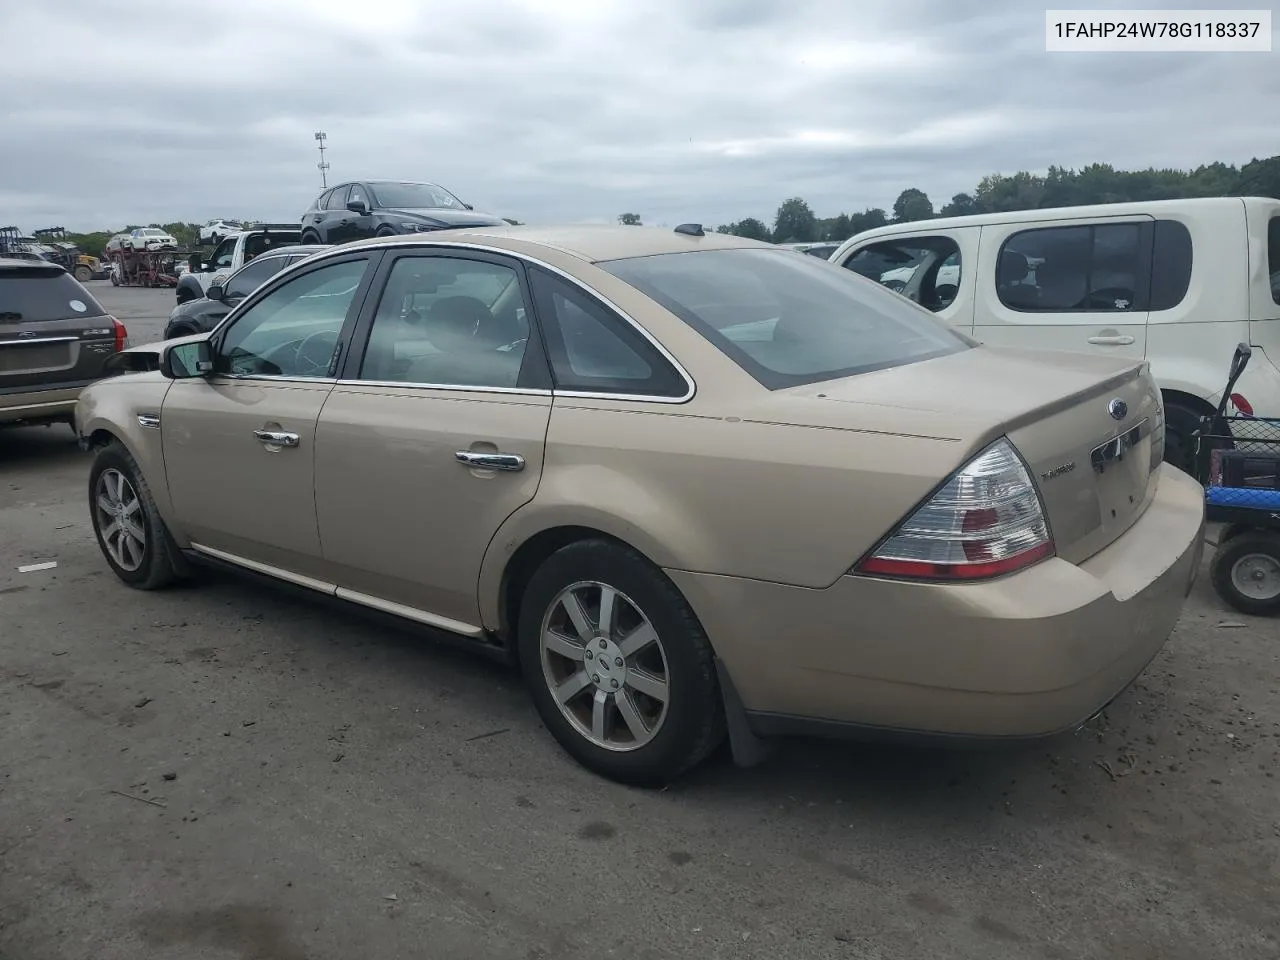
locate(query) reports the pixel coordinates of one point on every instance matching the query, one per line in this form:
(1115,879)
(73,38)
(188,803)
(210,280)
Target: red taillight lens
(985,522)
(1241,404)
(122,335)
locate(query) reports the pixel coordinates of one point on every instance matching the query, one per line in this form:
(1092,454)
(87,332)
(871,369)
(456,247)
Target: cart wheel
(1246,573)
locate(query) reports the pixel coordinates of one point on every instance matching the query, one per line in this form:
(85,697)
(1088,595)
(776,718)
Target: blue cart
(1238,461)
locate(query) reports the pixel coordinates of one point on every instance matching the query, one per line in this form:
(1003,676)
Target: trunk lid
(1090,429)
(52,331)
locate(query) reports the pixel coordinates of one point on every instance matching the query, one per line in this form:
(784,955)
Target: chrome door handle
(490,461)
(1120,340)
(278,438)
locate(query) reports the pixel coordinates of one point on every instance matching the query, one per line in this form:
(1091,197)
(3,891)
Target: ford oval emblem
(1118,409)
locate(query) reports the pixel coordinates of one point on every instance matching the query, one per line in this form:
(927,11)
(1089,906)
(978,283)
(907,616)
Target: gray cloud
(710,110)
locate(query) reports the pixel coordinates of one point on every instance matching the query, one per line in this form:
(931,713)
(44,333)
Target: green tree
(749,227)
(868,219)
(839,227)
(629,219)
(912,204)
(961,205)
(795,222)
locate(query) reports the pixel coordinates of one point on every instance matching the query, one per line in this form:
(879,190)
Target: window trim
(373,260)
(1142,295)
(396,247)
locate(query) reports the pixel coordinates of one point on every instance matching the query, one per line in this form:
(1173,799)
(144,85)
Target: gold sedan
(691,483)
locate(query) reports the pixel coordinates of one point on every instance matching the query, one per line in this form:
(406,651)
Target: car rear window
(789,320)
(34,294)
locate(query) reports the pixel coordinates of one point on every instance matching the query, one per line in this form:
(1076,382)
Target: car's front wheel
(127,524)
(620,670)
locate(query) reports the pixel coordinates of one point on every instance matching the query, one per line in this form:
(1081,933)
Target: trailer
(145,268)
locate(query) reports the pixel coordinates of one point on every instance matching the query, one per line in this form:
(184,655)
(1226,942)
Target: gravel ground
(226,771)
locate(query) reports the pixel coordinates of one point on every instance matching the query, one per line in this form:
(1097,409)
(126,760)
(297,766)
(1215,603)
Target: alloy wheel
(605,666)
(120,519)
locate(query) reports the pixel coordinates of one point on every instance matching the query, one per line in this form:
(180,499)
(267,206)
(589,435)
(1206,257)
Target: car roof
(594,244)
(291,250)
(14,263)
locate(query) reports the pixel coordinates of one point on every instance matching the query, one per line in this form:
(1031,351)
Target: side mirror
(186,361)
(195,262)
(468,206)
(215,292)
(358,206)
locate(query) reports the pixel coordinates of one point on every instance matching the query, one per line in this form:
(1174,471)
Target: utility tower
(321,137)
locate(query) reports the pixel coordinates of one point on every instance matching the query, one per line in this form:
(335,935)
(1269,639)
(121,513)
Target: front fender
(112,407)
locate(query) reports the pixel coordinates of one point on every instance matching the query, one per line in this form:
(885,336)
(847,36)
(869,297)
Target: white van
(1177,282)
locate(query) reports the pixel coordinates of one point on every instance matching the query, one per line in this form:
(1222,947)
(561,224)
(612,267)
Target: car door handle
(1117,340)
(490,461)
(278,438)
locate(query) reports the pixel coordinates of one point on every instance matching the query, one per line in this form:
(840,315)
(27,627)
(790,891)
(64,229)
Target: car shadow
(20,446)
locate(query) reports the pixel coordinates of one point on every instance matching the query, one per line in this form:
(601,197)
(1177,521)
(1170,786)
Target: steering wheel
(308,359)
(1110,298)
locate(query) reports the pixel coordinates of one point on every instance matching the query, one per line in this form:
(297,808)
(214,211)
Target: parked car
(199,316)
(54,340)
(215,230)
(1178,283)
(384,208)
(689,482)
(148,238)
(232,253)
(115,243)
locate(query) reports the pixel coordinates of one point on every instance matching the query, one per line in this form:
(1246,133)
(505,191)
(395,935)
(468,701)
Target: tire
(682,730)
(180,330)
(1180,424)
(83,273)
(158,562)
(311,236)
(386,232)
(1246,573)
(115,280)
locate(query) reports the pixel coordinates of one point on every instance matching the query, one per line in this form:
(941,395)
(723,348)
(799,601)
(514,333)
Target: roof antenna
(691,229)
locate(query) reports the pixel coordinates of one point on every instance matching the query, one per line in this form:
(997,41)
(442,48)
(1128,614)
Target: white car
(148,238)
(215,230)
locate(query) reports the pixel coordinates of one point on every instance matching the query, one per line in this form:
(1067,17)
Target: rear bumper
(55,404)
(1025,656)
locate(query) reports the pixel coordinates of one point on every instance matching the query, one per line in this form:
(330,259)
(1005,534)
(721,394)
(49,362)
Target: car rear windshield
(789,320)
(34,294)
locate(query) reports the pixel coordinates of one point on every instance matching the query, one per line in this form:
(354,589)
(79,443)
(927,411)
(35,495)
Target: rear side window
(1086,269)
(789,320)
(335,199)
(1170,264)
(34,295)
(1273,257)
(592,349)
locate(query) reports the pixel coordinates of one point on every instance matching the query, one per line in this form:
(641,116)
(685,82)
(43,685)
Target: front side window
(448,321)
(789,320)
(251,277)
(594,350)
(356,193)
(1085,269)
(407,196)
(224,256)
(293,331)
(926,269)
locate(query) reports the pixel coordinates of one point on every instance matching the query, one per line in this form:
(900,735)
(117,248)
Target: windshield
(150,232)
(39,294)
(789,320)
(410,195)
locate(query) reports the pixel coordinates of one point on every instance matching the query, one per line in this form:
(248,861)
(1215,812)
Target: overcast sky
(578,110)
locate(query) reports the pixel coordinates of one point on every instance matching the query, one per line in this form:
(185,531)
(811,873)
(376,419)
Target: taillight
(122,335)
(986,521)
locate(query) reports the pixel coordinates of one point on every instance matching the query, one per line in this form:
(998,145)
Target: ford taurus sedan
(693,484)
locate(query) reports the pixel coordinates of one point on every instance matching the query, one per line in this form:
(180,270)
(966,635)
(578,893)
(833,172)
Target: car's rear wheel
(620,670)
(126,523)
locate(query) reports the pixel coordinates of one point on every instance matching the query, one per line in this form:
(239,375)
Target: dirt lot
(223,771)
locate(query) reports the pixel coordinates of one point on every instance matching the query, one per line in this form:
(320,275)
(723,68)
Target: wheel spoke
(599,705)
(574,685)
(631,716)
(647,684)
(608,610)
(565,646)
(637,639)
(105,504)
(578,616)
(132,507)
(134,530)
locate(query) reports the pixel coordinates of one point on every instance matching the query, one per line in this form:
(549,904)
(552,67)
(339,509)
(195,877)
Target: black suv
(54,340)
(202,315)
(384,208)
